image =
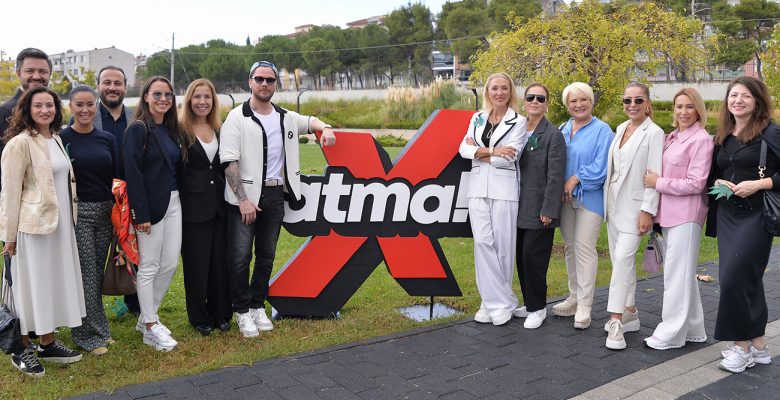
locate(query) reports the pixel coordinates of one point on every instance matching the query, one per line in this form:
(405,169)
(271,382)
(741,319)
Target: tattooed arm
(233,178)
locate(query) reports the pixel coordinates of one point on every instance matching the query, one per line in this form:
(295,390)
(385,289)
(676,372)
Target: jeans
(246,293)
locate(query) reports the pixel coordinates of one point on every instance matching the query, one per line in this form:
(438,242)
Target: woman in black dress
(743,242)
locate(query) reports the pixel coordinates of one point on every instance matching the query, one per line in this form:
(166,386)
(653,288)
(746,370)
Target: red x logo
(327,270)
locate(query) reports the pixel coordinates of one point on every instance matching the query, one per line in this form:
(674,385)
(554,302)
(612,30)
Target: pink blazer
(686,164)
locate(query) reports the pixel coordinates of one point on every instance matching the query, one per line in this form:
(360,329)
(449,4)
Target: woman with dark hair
(745,122)
(37,227)
(203,252)
(95,161)
(542,164)
(154,151)
(630,206)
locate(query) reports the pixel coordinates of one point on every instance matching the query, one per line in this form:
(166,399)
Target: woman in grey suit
(541,186)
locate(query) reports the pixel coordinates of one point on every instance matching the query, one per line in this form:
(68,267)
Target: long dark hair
(762,115)
(21,119)
(170,119)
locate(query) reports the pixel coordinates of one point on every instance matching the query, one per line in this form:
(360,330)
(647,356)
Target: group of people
(529,176)
(212,192)
(193,183)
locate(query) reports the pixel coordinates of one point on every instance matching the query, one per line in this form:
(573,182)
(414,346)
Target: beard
(112,103)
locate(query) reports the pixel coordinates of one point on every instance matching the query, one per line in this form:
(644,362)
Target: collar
(246,109)
(541,127)
(687,133)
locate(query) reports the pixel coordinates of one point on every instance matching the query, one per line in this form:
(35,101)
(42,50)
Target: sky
(146,26)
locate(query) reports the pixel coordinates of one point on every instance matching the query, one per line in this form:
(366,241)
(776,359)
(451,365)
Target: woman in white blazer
(495,138)
(630,206)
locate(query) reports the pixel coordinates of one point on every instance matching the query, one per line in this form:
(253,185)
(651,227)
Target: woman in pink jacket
(681,213)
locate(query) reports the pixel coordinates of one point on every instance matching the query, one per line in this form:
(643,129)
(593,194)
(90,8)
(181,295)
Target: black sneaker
(28,363)
(56,352)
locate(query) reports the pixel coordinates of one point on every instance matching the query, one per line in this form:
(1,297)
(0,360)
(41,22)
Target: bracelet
(491,150)
(327,126)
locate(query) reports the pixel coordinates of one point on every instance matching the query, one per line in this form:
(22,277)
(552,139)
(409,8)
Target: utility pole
(173,36)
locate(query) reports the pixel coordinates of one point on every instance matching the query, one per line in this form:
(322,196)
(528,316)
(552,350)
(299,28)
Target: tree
(468,18)
(8,80)
(586,43)
(501,12)
(280,50)
(373,41)
(63,83)
(412,27)
(318,60)
(771,59)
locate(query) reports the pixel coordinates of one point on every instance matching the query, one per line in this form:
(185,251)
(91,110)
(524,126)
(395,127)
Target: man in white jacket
(259,144)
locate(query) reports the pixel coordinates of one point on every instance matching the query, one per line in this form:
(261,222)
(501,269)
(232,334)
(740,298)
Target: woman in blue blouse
(587,147)
(95,162)
(154,152)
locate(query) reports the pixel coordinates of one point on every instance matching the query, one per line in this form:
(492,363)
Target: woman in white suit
(495,137)
(630,206)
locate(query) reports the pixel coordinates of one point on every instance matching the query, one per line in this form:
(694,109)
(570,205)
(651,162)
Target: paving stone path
(466,360)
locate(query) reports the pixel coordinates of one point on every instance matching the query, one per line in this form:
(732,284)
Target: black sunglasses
(539,97)
(159,95)
(260,79)
(637,100)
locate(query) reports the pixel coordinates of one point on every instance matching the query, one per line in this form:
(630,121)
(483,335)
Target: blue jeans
(246,293)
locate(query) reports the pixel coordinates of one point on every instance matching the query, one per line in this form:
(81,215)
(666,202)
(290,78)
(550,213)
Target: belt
(273,182)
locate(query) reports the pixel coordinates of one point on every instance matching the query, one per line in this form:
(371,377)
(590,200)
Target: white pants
(682,314)
(580,230)
(622,253)
(494,226)
(159,256)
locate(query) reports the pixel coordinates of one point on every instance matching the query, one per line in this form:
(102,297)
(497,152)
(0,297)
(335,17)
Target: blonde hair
(487,106)
(698,104)
(187,117)
(578,88)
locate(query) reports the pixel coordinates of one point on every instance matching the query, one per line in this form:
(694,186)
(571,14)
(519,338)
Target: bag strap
(762,159)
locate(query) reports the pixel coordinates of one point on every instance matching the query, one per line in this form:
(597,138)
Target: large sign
(367,209)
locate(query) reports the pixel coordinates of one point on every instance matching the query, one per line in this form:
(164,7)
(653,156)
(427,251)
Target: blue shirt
(586,157)
(115,127)
(171,150)
(95,162)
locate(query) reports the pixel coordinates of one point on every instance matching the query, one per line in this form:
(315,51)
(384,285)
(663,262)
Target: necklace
(490,132)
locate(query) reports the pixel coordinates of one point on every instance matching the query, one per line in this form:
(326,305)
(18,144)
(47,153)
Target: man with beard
(33,68)
(259,144)
(112,115)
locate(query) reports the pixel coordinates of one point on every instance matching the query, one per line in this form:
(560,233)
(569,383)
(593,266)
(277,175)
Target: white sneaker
(737,360)
(141,326)
(159,339)
(482,316)
(520,312)
(629,320)
(615,339)
(261,319)
(535,319)
(567,308)
(246,325)
(501,319)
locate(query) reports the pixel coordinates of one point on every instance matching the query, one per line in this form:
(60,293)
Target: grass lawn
(129,361)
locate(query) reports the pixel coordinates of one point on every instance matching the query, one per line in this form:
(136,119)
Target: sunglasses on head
(637,100)
(539,97)
(159,95)
(259,79)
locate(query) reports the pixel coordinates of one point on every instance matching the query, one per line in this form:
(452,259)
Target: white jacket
(498,179)
(242,139)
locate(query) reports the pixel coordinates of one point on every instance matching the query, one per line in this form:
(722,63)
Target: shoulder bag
(771,199)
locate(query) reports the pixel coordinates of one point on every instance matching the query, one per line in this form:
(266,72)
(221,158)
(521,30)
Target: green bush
(391,141)
(303,139)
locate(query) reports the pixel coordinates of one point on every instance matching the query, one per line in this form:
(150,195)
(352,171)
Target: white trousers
(159,256)
(494,226)
(682,314)
(580,230)
(622,253)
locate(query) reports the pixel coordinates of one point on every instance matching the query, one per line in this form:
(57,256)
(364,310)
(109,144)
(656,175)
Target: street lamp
(300,92)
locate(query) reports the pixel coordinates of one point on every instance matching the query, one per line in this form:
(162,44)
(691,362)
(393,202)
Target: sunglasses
(539,97)
(637,100)
(259,79)
(159,95)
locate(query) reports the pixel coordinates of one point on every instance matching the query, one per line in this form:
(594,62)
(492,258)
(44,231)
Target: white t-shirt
(211,148)
(275,140)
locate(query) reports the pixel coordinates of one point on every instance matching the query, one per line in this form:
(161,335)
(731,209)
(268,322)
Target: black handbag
(119,273)
(10,328)
(771,199)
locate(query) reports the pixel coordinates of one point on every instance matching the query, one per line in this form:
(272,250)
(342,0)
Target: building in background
(77,63)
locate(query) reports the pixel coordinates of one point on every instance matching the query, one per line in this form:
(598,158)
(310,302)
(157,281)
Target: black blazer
(542,169)
(147,174)
(203,188)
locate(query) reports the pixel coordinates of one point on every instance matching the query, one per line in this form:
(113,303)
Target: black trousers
(204,258)
(534,247)
(743,248)
(246,293)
